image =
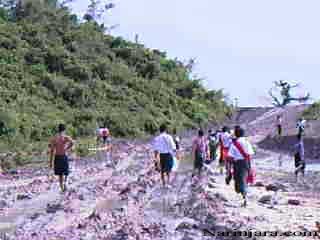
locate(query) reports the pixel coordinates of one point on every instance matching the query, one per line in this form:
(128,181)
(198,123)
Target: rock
(265,199)
(260,218)
(209,222)
(295,202)
(120,235)
(53,208)
(221,197)
(23,197)
(276,187)
(13,172)
(259,184)
(3,204)
(81,197)
(272,187)
(81,226)
(89,236)
(125,191)
(34,216)
(211,185)
(186,237)
(186,225)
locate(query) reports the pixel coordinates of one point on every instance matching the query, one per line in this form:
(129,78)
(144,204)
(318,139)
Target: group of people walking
(234,155)
(229,148)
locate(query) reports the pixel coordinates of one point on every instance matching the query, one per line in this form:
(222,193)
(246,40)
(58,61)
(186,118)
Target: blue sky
(240,46)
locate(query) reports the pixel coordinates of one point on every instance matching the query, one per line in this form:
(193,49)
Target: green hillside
(55,67)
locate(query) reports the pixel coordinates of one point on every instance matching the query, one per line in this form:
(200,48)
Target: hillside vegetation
(312,112)
(55,67)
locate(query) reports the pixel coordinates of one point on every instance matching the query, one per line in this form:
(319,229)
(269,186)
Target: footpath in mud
(126,201)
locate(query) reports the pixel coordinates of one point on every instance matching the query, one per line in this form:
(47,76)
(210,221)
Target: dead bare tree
(285,94)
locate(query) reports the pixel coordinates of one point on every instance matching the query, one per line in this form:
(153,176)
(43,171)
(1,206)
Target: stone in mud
(186,237)
(53,208)
(3,204)
(34,216)
(274,187)
(13,172)
(209,222)
(259,184)
(220,197)
(120,235)
(89,236)
(211,185)
(265,199)
(125,191)
(81,197)
(23,197)
(260,218)
(295,202)
(81,226)
(184,226)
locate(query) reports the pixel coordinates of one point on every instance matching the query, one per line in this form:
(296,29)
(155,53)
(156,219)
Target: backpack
(213,142)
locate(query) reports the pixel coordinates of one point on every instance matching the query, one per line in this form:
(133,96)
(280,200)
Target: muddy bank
(285,145)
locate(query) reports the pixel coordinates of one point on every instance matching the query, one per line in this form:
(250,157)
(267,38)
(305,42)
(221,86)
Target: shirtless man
(58,147)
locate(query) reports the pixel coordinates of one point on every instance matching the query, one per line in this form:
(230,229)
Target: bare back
(60,144)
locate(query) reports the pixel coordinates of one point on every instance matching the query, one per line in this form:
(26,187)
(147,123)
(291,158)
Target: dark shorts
(166,162)
(61,165)
(199,159)
(299,162)
(279,130)
(177,145)
(106,140)
(300,131)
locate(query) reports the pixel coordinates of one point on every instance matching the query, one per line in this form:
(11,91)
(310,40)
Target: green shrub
(54,69)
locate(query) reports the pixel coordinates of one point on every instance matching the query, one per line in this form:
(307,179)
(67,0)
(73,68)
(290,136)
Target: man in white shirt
(241,151)
(164,148)
(301,126)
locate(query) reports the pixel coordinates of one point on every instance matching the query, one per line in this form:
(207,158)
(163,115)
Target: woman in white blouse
(241,151)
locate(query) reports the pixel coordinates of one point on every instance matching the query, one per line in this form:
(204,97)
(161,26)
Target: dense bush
(54,69)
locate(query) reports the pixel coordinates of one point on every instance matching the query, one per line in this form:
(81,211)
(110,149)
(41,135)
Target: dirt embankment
(261,123)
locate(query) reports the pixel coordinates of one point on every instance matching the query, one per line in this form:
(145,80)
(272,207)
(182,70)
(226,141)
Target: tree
(96,9)
(285,94)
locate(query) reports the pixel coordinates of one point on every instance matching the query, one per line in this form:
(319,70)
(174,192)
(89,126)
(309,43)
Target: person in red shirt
(224,144)
(58,147)
(200,151)
(103,135)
